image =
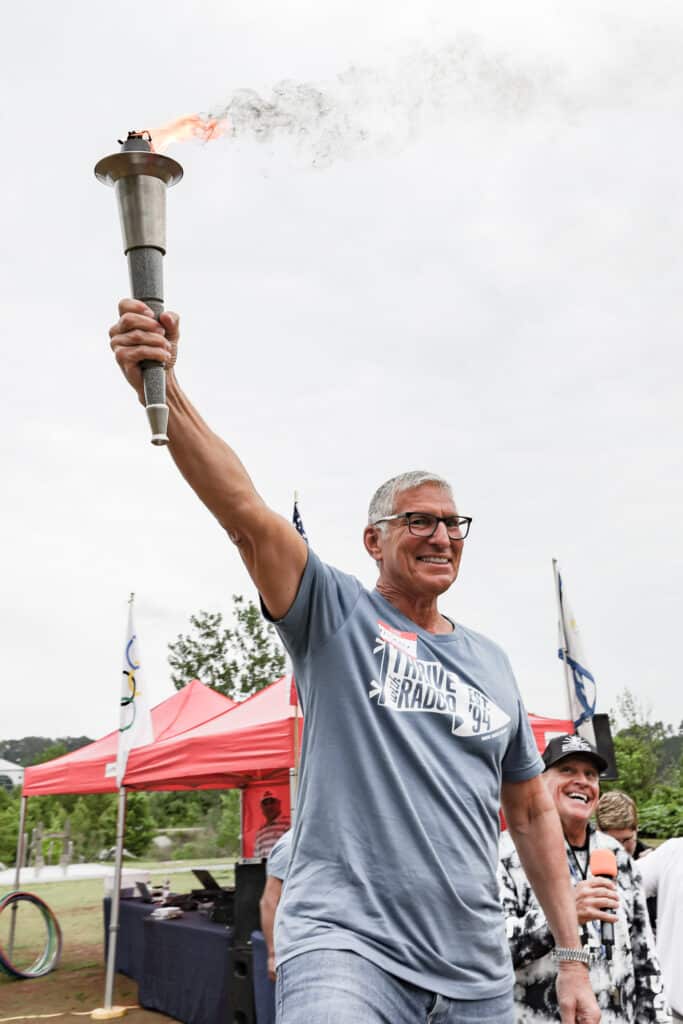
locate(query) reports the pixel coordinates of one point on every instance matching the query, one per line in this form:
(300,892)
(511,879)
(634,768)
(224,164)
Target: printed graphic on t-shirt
(408,683)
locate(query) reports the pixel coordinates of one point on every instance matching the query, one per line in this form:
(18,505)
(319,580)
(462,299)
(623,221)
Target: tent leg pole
(241,843)
(17,874)
(294,772)
(108,1011)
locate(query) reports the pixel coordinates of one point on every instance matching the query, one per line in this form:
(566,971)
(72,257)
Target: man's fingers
(603,903)
(602,915)
(140,353)
(134,306)
(609,898)
(139,336)
(128,356)
(171,324)
(136,322)
(602,884)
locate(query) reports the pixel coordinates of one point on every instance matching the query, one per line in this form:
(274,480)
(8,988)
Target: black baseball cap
(572,746)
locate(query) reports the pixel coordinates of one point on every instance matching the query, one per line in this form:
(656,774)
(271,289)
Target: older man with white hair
(414,730)
(616,936)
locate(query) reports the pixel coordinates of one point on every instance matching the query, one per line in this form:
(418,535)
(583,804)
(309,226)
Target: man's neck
(423,612)
(577,837)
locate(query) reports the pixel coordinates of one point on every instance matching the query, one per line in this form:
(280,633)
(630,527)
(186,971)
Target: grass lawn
(77,984)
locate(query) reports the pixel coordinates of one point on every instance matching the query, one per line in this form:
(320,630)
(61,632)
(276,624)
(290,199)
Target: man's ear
(372,538)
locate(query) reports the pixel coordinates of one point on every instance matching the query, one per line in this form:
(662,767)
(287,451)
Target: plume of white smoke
(379,110)
(366,110)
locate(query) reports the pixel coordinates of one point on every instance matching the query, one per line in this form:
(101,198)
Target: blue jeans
(334,986)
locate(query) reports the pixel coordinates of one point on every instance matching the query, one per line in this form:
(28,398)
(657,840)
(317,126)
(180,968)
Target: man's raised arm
(272,550)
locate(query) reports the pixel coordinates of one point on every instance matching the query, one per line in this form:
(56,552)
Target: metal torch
(140,178)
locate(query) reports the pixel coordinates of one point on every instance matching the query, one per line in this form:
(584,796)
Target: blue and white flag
(135,716)
(581,690)
(298,521)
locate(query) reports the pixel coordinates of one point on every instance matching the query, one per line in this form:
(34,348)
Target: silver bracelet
(581,956)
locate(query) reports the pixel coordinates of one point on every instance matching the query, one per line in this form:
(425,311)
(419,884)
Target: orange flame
(184,129)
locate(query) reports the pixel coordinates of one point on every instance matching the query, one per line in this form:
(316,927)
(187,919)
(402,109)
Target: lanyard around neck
(575,867)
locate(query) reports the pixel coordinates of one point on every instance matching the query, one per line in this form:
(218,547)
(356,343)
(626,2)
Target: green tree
(139,824)
(9,826)
(646,754)
(8,835)
(662,815)
(236,661)
(642,748)
(229,823)
(636,766)
(30,749)
(50,752)
(86,829)
(183,809)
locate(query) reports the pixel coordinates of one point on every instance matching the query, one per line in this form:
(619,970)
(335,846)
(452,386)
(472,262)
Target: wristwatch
(581,956)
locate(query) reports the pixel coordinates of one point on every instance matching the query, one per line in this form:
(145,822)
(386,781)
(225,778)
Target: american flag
(298,521)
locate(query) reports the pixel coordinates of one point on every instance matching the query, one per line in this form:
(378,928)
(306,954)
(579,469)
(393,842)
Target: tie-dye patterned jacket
(628,989)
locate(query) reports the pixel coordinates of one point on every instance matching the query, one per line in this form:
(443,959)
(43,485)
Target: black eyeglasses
(424,524)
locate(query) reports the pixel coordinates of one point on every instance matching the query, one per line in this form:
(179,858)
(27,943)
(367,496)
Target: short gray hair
(383,500)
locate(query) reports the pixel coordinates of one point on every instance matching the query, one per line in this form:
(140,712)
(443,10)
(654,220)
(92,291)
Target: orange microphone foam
(603,862)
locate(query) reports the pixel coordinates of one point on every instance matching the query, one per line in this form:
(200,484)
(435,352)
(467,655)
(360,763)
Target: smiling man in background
(628,986)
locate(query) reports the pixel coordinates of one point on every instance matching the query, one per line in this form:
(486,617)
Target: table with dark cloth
(130,948)
(187,969)
(183,966)
(264,989)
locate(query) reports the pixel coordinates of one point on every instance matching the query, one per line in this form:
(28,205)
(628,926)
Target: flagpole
(17,874)
(241,793)
(296,732)
(109,1012)
(565,649)
(294,771)
(135,729)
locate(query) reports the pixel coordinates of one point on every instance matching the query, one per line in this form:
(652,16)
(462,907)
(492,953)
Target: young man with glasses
(414,730)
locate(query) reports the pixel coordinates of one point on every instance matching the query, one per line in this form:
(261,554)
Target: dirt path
(76,987)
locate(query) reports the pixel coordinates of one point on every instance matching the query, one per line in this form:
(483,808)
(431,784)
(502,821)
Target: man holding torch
(415,733)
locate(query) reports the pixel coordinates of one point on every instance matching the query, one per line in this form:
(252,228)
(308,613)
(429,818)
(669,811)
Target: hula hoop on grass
(49,958)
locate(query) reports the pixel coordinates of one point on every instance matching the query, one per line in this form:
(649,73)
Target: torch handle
(145,265)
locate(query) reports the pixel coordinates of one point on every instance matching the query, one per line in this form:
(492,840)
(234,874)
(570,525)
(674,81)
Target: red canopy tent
(91,769)
(545,728)
(197,746)
(254,742)
(252,747)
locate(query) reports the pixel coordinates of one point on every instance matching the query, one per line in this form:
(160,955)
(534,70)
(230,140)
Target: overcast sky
(458,248)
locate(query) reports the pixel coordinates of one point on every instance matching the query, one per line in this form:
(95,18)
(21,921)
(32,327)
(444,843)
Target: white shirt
(662,872)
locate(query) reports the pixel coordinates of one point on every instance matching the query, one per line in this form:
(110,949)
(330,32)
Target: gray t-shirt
(278,858)
(407,738)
